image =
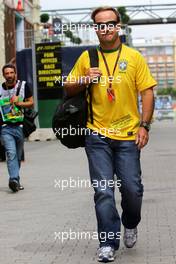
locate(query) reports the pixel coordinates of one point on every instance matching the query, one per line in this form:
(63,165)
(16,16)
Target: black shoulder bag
(70,118)
(29,117)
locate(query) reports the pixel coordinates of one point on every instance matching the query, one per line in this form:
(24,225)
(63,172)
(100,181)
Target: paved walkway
(33,221)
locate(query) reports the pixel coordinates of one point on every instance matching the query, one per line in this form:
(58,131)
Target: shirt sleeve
(28,91)
(80,67)
(144,78)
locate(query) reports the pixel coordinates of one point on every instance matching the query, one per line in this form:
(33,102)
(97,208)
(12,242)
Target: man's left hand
(142,137)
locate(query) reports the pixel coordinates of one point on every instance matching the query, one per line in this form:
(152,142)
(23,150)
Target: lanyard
(110,91)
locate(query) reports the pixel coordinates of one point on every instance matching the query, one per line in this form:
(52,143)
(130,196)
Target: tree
(76,40)
(68,34)
(126,31)
(124,17)
(73,39)
(44,18)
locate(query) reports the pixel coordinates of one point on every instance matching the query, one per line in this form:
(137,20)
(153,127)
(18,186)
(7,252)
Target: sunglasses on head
(105,25)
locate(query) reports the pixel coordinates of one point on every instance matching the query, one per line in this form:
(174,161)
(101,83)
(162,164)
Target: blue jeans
(107,158)
(13,140)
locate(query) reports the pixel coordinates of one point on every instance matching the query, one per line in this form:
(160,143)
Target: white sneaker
(106,254)
(130,237)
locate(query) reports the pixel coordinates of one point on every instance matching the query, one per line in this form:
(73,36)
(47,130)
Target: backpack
(70,118)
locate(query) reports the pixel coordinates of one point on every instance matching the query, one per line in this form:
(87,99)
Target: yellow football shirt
(118,119)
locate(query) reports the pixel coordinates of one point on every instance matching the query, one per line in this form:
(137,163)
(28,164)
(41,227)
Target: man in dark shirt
(14,96)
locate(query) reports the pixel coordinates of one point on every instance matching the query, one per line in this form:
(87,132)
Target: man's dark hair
(8,66)
(105,8)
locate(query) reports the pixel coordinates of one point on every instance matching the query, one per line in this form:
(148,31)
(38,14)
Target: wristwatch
(145,125)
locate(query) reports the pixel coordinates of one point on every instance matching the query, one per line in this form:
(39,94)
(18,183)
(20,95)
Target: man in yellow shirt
(117,134)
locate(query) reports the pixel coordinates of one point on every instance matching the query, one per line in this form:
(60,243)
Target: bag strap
(18,91)
(94,62)
(18,88)
(93,56)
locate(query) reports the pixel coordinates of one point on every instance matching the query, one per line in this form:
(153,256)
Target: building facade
(2,49)
(161,58)
(19,23)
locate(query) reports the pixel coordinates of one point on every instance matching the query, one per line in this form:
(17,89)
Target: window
(154,75)
(170,74)
(161,81)
(169,58)
(161,69)
(152,65)
(169,50)
(160,50)
(170,82)
(160,59)
(161,74)
(150,59)
(151,51)
(170,69)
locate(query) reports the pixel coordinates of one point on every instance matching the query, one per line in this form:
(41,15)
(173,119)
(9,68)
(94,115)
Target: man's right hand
(14,99)
(72,88)
(91,74)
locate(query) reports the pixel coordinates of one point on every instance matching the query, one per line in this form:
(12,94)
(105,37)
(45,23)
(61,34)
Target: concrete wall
(36,20)
(2,49)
